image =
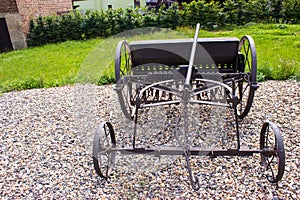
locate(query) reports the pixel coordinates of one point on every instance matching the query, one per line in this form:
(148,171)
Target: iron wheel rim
(103,157)
(274,163)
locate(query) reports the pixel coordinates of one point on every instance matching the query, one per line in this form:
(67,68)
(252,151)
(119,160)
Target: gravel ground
(45,150)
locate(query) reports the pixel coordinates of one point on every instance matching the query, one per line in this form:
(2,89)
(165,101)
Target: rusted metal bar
(194,151)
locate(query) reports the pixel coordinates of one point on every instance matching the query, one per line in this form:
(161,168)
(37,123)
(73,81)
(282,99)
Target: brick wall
(19,12)
(8,6)
(33,8)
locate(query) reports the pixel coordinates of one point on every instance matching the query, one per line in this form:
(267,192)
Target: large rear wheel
(247,83)
(124,86)
(122,60)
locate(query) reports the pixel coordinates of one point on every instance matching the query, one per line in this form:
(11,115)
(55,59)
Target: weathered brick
(8,6)
(33,8)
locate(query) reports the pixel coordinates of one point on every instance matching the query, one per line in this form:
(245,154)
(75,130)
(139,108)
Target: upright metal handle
(191,62)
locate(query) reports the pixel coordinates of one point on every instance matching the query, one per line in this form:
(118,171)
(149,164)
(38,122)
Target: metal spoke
(268,138)
(270,167)
(245,88)
(127,101)
(126,60)
(248,57)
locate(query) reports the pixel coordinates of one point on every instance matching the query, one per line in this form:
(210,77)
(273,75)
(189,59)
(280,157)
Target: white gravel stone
(46,136)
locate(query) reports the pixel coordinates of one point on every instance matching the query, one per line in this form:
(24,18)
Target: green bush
(241,12)
(210,14)
(207,14)
(105,79)
(150,18)
(286,69)
(93,24)
(169,18)
(276,7)
(290,11)
(264,72)
(29,83)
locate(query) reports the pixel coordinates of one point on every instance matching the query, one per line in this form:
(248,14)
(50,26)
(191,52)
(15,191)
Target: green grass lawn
(278,52)
(277,47)
(45,66)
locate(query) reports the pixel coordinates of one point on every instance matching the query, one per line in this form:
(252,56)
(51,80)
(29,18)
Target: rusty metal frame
(187,94)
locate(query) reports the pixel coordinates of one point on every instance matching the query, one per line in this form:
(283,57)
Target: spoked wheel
(273,156)
(122,60)
(103,157)
(247,84)
(124,87)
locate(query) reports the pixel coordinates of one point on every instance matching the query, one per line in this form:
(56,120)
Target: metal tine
(192,57)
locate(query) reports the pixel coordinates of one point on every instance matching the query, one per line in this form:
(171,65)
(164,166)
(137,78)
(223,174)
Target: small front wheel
(103,154)
(273,155)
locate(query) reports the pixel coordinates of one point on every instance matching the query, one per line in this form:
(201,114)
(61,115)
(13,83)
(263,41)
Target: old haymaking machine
(216,72)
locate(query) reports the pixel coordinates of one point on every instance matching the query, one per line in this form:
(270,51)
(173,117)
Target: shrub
(29,83)
(258,11)
(275,8)
(94,25)
(239,12)
(169,18)
(264,72)
(105,79)
(210,14)
(286,69)
(290,11)
(150,18)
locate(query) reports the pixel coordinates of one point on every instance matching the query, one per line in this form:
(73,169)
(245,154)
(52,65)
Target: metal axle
(193,151)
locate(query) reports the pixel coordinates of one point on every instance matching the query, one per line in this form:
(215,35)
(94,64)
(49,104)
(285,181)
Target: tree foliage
(210,14)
